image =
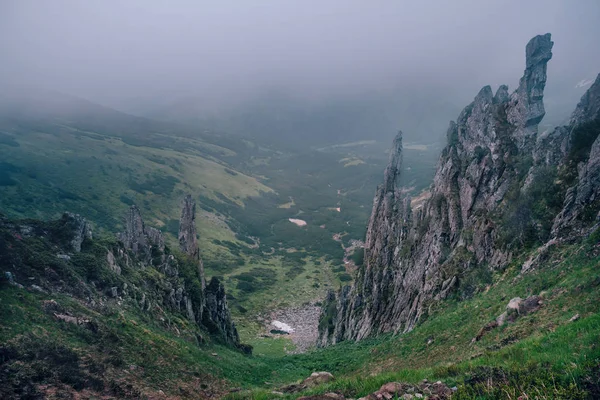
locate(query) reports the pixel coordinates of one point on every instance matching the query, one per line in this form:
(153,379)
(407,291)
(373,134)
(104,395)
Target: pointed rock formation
(218,316)
(416,257)
(213,312)
(188,241)
(138,238)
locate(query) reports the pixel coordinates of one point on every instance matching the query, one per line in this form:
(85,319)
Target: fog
(144,56)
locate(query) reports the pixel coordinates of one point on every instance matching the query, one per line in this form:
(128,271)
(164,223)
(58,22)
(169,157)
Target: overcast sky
(115,51)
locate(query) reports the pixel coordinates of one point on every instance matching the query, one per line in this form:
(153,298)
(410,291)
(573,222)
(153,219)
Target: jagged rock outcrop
(205,306)
(188,241)
(219,317)
(478,214)
(214,312)
(138,270)
(138,238)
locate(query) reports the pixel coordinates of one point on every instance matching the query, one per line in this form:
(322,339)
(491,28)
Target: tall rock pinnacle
(188,241)
(526,103)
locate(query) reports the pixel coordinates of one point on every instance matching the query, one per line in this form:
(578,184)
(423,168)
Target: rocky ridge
(493,176)
(136,270)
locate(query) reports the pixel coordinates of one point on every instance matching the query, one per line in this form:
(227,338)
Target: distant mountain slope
(277,117)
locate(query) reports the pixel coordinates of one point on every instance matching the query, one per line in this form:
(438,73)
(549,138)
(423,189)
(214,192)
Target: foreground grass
(542,355)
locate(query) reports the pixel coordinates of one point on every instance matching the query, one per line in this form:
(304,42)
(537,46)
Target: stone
(134,237)
(530,305)
(501,319)
(574,318)
(586,191)
(112,263)
(315,379)
(9,277)
(37,288)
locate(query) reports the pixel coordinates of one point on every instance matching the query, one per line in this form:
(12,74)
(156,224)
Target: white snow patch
(282,326)
(584,82)
(299,222)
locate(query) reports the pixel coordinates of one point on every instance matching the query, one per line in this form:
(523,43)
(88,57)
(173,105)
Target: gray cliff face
(582,200)
(414,257)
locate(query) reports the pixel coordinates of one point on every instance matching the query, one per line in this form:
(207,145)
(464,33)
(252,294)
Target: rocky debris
(539,256)
(37,288)
(52,307)
(515,308)
(80,321)
(426,390)
(396,390)
(304,324)
(315,379)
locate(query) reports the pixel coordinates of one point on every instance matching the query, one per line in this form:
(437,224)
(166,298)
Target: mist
(199,59)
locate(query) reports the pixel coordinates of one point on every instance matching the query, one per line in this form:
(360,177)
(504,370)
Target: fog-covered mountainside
(277,116)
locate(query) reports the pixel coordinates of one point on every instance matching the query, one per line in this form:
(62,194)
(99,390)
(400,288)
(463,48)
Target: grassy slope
(541,354)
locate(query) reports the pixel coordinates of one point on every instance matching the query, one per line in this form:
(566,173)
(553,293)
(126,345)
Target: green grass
(542,354)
